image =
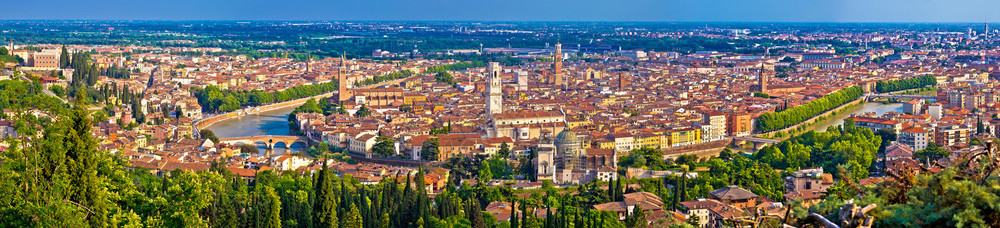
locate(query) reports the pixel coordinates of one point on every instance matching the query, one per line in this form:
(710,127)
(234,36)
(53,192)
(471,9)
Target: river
(876,107)
(273,122)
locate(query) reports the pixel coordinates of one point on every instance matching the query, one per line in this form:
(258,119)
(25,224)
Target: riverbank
(208,122)
(791,130)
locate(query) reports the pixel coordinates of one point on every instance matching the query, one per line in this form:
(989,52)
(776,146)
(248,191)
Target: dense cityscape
(354,124)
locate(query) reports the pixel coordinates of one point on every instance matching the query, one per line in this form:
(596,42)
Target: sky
(512,10)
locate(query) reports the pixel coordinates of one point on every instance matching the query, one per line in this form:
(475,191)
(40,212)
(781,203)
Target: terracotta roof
(732,193)
(701,204)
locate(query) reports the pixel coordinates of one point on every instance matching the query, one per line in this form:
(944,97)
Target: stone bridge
(206,122)
(269,140)
(897,96)
(757,142)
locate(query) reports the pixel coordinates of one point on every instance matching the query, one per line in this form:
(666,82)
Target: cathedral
(563,161)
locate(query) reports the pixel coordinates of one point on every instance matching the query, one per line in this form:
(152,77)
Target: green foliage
(429,150)
(353,219)
(208,134)
(905,84)
(768,122)
(645,158)
(932,152)
(249,149)
(384,78)
(58,90)
(363,112)
(384,146)
(485,173)
(761,95)
(444,77)
(847,144)
(214,100)
(453,67)
(946,199)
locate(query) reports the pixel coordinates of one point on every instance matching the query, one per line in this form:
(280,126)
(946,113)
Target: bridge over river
(269,140)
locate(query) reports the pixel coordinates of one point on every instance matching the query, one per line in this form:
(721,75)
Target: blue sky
(513,10)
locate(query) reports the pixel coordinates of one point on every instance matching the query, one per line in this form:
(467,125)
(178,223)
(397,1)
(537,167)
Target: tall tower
(762,78)
(621,80)
(557,59)
(495,103)
(343,92)
(986,30)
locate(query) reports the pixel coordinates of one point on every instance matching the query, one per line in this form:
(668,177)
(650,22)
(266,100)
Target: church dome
(567,137)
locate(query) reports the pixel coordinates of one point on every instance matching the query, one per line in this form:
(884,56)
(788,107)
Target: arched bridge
(897,96)
(269,140)
(757,142)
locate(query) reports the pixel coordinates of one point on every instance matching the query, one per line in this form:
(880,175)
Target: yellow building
(411,98)
(573,123)
(606,144)
(648,140)
(684,136)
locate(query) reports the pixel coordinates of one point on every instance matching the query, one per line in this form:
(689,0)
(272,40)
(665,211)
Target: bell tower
(494,104)
(557,59)
(343,93)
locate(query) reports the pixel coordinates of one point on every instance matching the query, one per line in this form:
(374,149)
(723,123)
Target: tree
(309,107)
(178,112)
(267,207)
(932,152)
(384,146)
(63,58)
(485,175)
(406,108)
(905,84)
(444,77)
(768,122)
(58,90)
(249,149)
(208,134)
(504,150)
(363,112)
(727,154)
(474,214)
(429,149)
(695,221)
(353,219)
(326,204)
(637,219)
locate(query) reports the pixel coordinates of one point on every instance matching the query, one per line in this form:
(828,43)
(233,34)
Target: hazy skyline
(514,10)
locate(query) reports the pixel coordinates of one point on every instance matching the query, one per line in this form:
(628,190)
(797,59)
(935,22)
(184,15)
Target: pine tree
(326,204)
(353,218)
(637,219)
(82,162)
(474,214)
(513,214)
(274,217)
(384,221)
(92,76)
(63,58)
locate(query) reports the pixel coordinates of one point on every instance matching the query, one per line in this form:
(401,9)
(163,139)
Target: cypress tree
(353,218)
(326,205)
(474,214)
(81,162)
(513,214)
(92,76)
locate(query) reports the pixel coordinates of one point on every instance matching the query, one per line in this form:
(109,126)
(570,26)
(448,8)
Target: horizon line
(496,21)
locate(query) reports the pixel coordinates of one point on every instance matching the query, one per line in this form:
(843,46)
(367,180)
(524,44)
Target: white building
(362,144)
(936,110)
(914,137)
